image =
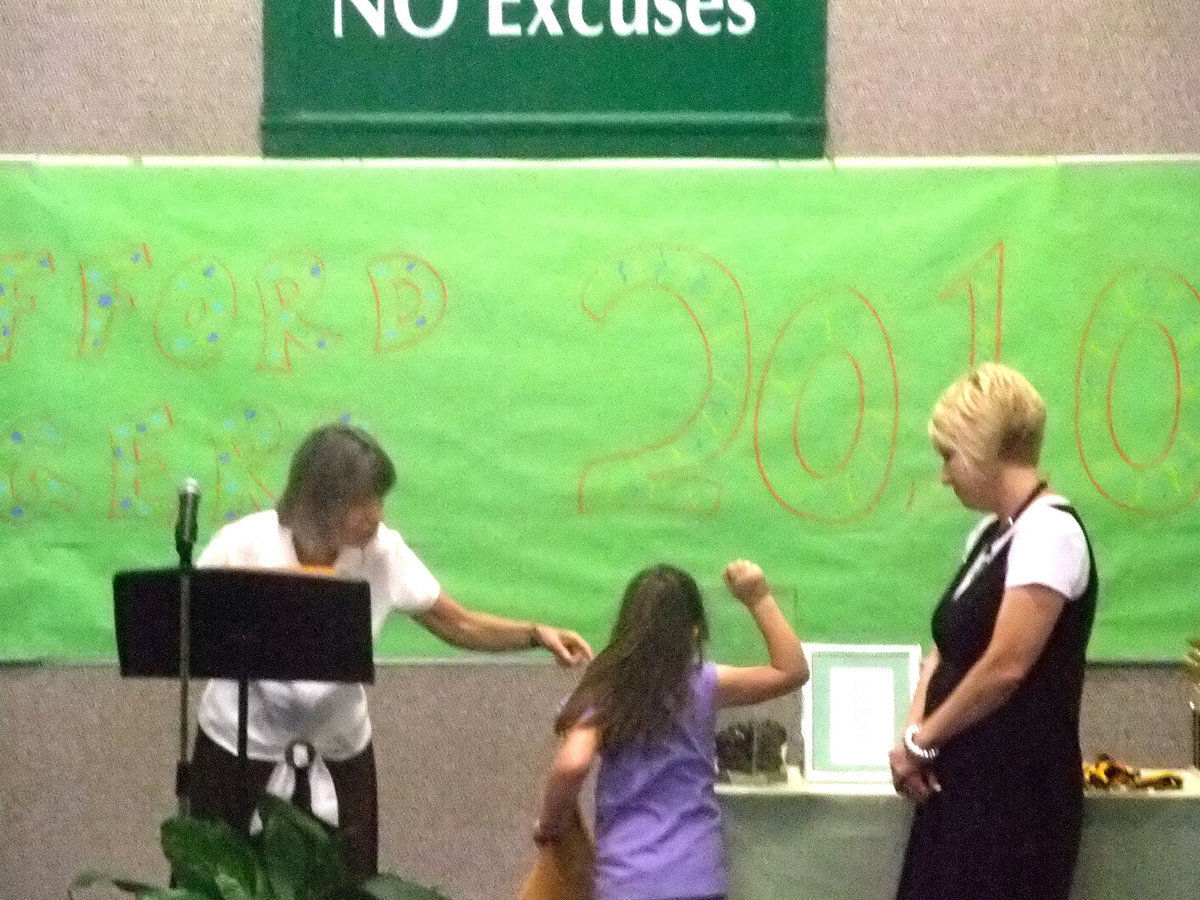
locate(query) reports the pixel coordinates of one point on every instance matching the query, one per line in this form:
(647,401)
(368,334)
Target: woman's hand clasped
(910,777)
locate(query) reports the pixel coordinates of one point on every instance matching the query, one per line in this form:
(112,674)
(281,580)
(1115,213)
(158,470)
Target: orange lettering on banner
(106,293)
(246,442)
(30,482)
(1141,450)
(410,300)
(19,272)
(140,485)
(671,473)
(196,312)
(290,290)
(983,288)
(831,371)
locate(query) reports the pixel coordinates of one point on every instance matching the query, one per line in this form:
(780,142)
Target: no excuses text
(554,18)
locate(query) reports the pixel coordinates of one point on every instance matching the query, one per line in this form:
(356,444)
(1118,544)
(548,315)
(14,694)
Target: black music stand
(245,625)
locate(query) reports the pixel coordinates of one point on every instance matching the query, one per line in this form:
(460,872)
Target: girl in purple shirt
(646,709)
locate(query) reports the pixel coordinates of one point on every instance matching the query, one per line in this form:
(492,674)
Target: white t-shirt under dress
(1048,548)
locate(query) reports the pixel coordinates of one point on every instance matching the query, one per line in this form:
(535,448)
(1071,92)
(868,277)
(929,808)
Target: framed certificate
(855,705)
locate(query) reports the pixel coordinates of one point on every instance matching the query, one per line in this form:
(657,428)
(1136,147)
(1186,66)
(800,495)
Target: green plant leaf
(199,851)
(302,858)
(392,887)
(232,889)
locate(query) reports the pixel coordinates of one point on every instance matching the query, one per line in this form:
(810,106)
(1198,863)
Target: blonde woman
(991,753)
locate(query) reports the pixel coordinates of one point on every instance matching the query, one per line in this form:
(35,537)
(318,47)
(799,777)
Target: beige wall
(915,78)
(89,760)
(86,759)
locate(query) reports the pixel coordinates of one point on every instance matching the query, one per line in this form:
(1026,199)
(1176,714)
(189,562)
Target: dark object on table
(755,747)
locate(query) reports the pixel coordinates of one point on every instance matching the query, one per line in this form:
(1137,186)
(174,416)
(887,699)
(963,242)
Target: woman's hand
(909,777)
(746,581)
(569,649)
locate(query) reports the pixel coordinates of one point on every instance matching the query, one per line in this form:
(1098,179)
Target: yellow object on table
(1107,773)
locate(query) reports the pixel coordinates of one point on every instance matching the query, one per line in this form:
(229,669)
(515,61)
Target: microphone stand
(183,546)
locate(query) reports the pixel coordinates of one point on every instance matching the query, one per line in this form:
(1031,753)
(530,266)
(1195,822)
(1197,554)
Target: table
(797,840)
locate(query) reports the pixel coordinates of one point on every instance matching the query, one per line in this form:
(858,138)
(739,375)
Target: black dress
(1006,823)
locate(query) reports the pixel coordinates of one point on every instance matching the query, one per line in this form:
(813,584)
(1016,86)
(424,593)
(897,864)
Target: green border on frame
(904,663)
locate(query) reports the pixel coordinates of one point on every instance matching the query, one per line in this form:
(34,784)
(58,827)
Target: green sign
(544,78)
(583,370)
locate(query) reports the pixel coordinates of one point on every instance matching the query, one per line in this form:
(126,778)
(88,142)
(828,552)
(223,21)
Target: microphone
(185,525)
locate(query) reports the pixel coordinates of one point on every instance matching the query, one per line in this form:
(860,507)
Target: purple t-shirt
(658,826)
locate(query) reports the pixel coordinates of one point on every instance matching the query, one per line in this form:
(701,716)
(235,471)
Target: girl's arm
(574,760)
(788,669)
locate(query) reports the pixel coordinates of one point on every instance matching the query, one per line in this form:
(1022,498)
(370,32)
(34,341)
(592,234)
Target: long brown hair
(637,686)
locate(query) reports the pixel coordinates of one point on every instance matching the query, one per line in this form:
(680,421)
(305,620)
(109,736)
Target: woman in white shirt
(311,741)
(991,752)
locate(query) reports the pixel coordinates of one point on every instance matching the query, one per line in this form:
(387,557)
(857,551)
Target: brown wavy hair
(637,687)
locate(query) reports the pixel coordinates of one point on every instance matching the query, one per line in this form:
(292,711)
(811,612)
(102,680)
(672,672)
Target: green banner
(540,78)
(583,370)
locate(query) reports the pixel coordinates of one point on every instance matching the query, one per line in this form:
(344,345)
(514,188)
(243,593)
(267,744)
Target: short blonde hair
(991,414)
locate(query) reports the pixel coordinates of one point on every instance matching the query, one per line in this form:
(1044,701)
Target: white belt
(282,783)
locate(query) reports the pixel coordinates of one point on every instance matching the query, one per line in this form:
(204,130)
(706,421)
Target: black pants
(216,794)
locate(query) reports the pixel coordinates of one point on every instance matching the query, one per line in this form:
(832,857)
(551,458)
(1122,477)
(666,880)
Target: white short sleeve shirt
(1048,547)
(331,717)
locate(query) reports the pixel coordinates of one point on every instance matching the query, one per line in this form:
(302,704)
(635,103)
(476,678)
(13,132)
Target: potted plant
(295,857)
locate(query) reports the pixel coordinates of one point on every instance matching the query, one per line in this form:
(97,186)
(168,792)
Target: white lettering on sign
(437,29)
(497,27)
(695,16)
(579,23)
(544,13)
(641,18)
(674,17)
(375,15)
(514,18)
(745,13)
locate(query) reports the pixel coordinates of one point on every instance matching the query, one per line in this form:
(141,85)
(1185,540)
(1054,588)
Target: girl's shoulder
(704,681)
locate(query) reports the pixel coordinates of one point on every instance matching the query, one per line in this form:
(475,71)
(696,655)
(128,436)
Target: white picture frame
(855,704)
